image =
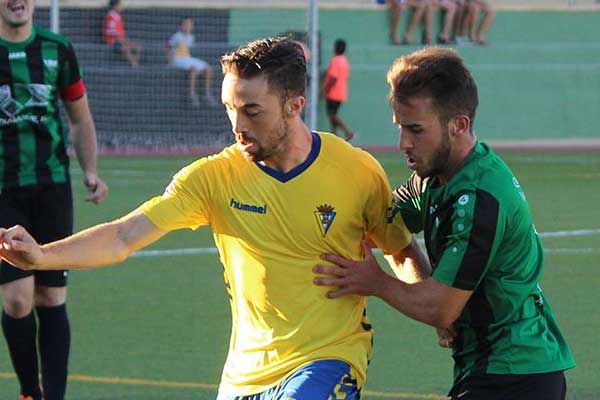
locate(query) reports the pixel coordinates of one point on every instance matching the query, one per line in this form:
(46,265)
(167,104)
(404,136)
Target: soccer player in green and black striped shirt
(37,68)
(487,259)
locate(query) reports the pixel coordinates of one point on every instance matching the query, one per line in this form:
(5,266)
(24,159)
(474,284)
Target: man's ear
(294,105)
(459,125)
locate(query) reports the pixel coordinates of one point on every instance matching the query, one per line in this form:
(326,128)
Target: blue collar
(282,177)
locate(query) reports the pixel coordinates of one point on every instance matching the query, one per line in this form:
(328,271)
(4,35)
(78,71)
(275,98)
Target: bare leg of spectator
(193,80)
(420,11)
(457,23)
(490,15)
(446,33)
(428,23)
(136,51)
(208,78)
(474,10)
(465,23)
(395,17)
(130,56)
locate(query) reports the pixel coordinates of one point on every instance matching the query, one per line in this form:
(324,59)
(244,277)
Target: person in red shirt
(335,88)
(113,34)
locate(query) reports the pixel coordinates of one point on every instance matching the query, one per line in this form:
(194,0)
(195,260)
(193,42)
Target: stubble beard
(274,147)
(439,159)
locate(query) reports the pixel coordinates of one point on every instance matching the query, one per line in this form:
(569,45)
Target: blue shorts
(319,380)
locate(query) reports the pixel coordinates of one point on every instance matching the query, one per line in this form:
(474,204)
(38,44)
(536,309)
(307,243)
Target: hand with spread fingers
(364,277)
(19,248)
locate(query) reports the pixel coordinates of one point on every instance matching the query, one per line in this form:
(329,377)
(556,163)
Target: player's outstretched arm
(427,301)
(103,244)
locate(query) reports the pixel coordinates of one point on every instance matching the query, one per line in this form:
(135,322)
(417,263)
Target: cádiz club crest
(325,215)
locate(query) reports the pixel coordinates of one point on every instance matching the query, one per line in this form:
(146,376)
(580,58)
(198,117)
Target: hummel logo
(248,207)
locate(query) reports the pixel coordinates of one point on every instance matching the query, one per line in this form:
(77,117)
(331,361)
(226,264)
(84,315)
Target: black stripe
(481,241)
(365,325)
(68,59)
(481,319)
(459,343)
(10,134)
(43,139)
(35,61)
(61,150)
(64,54)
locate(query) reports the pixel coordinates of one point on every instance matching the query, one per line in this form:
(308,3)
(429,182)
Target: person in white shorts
(180,58)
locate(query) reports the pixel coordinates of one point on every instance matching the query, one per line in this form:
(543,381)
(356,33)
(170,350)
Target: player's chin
(249,156)
(255,156)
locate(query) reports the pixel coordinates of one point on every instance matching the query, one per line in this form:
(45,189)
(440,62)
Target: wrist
(386,288)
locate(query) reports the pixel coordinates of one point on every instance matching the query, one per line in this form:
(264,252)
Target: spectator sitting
(114,34)
(180,57)
(479,29)
(448,8)
(419,8)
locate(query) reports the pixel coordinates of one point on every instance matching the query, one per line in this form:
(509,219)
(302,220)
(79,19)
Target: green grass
(161,324)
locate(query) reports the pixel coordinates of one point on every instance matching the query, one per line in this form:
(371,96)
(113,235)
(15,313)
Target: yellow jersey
(270,229)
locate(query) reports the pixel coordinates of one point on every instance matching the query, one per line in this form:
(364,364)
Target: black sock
(54,339)
(20,334)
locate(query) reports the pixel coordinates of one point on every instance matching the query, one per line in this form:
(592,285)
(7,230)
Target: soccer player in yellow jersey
(275,200)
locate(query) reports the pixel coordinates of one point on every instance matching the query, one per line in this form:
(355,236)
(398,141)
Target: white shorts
(188,63)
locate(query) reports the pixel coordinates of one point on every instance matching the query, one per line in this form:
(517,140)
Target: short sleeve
(184,203)
(390,234)
(470,236)
(70,81)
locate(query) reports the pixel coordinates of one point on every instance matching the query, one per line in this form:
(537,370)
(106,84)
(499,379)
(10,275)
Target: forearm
(93,247)
(100,245)
(83,133)
(84,142)
(416,301)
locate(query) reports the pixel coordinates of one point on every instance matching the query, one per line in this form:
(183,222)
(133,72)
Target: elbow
(120,246)
(121,255)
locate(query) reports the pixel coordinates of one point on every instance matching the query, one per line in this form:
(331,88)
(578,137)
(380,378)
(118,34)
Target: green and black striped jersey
(33,75)
(480,236)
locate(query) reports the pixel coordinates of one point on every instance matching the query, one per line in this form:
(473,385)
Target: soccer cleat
(41,396)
